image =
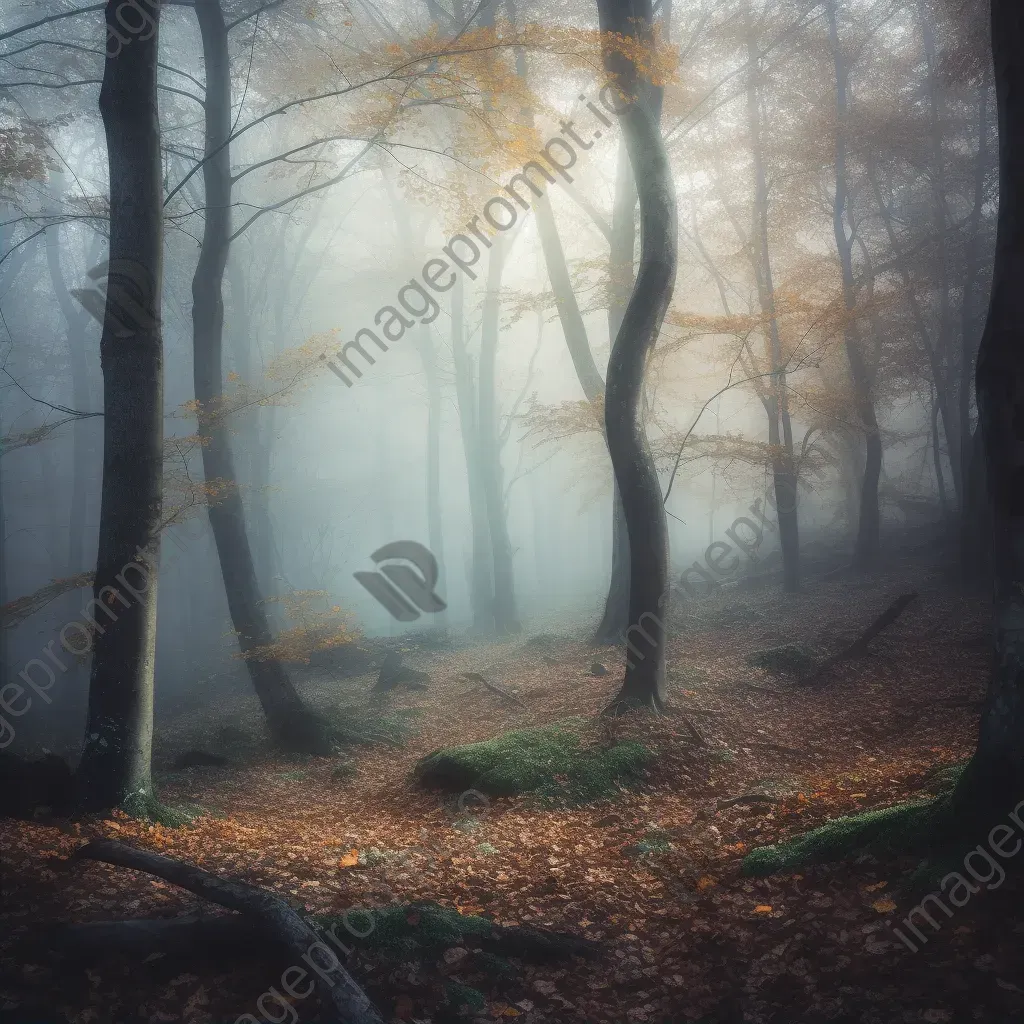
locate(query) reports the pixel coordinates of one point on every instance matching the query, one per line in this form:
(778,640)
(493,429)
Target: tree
(115,766)
(994,778)
(291,723)
(631,22)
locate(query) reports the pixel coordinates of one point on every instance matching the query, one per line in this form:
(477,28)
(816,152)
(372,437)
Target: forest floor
(654,876)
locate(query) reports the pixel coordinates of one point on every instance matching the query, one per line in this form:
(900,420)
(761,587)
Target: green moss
(906,828)
(550,761)
(786,660)
(149,808)
(406,930)
(462,995)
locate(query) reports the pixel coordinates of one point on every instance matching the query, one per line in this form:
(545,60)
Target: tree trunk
(972,539)
(115,766)
(75,319)
(994,779)
(620,280)
(506,618)
(635,473)
(481,588)
(868,523)
(435,534)
(780,429)
(291,724)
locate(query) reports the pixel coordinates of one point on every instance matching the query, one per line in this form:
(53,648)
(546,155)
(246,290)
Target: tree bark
(268,912)
(644,682)
(115,766)
(994,779)
(291,723)
(868,523)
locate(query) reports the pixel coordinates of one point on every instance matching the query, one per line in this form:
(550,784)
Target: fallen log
(224,935)
(859,646)
(337,985)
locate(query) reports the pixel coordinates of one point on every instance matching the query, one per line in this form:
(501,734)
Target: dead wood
(475,677)
(227,935)
(859,646)
(337,985)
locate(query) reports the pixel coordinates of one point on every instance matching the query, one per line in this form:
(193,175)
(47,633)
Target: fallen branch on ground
(341,992)
(859,646)
(475,677)
(748,798)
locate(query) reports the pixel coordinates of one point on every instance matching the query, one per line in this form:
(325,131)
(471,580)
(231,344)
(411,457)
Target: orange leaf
(349,860)
(884,906)
(705,883)
(762,909)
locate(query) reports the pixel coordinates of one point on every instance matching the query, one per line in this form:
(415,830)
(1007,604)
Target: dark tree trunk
(868,523)
(635,473)
(506,618)
(973,534)
(481,587)
(115,766)
(620,273)
(291,724)
(994,779)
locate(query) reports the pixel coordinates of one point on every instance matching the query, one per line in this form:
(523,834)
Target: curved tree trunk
(868,523)
(115,766)
(291,724)
(994,779)
(635,473)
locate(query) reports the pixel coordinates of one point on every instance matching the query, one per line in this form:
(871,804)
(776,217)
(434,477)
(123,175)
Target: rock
(597,669)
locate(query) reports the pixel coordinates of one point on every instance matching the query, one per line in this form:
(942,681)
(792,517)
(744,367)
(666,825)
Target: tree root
(337,985)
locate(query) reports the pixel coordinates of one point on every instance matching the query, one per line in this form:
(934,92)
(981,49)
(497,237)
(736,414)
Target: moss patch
(786,660)
(906,828)
(550,761)
(407,930)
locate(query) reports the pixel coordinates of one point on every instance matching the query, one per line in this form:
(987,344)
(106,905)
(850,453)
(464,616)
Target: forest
(578,446)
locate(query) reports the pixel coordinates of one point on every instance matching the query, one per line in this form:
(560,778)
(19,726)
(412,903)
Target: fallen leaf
(884,906)
(349,860)
(762,908)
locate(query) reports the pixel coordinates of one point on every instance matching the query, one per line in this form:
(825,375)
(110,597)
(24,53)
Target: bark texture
(994,779)
(635,473)
(115,766)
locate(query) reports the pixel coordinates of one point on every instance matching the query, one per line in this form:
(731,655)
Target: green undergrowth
(404,931)
(149,808)
(917,827)
(786,660)
(549,761)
